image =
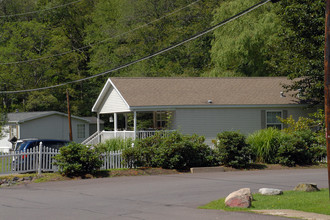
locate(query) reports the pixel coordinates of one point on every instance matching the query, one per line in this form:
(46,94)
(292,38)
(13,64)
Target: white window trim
(281,111)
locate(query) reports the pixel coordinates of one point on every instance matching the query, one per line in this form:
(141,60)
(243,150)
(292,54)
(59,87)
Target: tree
(299,52)
(135,29)
(45,44)
(241,48)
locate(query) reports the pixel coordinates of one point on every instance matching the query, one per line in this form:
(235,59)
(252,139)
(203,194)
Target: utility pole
(327,85)
(69,114)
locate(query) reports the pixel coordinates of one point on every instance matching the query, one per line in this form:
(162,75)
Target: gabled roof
(20,117)
(93,120)
(143,92)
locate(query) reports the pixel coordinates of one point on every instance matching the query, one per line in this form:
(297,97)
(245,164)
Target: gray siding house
(46,125)
(204,106)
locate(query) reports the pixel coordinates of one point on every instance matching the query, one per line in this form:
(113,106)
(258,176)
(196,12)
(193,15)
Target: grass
(115,144)
(316,202)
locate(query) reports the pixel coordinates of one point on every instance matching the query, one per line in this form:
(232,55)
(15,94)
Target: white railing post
(98,128)
(115,127)
(40,155)
(135,118)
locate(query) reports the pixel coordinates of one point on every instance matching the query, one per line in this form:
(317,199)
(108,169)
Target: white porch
(100,137)
(127,120)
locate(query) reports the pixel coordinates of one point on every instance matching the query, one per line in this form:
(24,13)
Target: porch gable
(110,100)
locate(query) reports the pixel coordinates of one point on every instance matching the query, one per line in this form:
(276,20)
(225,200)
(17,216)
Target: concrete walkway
(294,214)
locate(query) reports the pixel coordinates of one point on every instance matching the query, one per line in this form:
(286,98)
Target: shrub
(114,145)
(77,160)
(174,151)
(233,150)
(265,144)
(302,148)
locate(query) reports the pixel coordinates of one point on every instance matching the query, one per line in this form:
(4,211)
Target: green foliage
(241,48)
(114,144)
(312,130)
(317,202)
(232,149)
(314,122)
(3,120)
(173,151)
(77,160)
(277,39)
(301,148)
(116,19)
(299,50)
(300,143)
(300,125)
(265,144)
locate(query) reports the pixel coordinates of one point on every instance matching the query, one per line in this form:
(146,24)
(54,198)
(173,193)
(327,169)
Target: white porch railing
(105,135)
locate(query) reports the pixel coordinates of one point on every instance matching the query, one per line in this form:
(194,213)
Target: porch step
(206,169)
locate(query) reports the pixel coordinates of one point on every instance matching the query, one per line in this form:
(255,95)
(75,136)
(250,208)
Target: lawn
(316,202)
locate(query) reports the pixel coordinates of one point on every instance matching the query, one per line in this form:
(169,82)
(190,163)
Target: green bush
(174,151)
(77,160)
(302,148)
(233,150)
(265,144)
(114,145)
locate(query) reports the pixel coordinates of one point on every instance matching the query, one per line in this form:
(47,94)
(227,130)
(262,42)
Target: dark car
(26,159)
(53,144)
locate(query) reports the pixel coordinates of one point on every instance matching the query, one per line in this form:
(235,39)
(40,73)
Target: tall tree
(46,45)
(299,53)
(146,26)
(241,47)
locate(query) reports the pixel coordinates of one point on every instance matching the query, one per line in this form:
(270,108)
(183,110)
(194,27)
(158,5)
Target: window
(81,130)
(272,119)
(13,131)
(160,119)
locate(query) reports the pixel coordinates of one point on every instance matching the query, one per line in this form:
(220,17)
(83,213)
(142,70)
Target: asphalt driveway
(146,197)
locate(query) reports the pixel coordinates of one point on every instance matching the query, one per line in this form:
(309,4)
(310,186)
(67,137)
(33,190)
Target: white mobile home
(205,106)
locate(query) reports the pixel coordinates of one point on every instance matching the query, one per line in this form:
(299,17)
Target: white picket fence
(42,161)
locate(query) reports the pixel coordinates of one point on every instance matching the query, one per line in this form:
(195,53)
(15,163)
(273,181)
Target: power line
(151,55)
(102,41)
(33,12)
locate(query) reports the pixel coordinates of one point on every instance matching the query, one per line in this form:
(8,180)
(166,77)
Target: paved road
(145,197)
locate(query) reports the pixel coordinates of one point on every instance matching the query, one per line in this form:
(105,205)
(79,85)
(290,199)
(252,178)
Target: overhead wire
(42,10)
(102,41)
(206,31)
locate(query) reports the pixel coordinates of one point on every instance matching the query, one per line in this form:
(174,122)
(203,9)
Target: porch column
(115,127)
(135,132)
(125,121)
(98,128)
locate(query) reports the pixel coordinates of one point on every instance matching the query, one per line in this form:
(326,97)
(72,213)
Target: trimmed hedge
(77,160)
(232,149)
(174,151)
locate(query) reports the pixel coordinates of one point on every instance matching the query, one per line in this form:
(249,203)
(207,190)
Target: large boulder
(270,191)
(306,187)
(241,198)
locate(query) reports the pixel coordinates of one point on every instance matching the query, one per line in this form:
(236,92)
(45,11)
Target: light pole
(327,86)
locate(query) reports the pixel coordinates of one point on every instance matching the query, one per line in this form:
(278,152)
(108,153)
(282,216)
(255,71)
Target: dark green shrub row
(299,147)
(177,151)
(174,151)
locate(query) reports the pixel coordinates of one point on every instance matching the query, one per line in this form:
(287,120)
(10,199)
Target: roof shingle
(197,91)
